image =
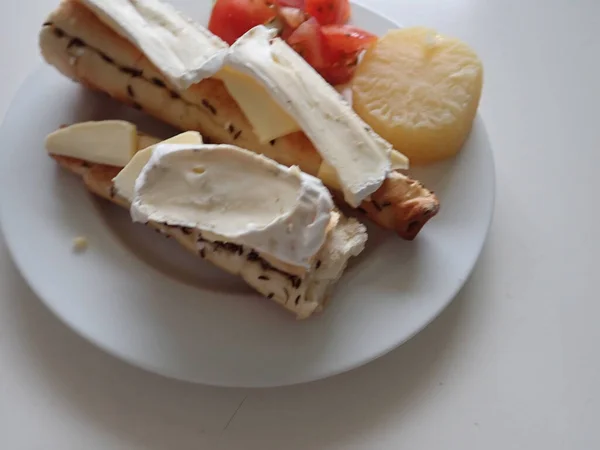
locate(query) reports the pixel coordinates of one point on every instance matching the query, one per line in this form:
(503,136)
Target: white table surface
(513,363)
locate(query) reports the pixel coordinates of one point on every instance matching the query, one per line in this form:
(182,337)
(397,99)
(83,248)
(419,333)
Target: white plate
(145,300)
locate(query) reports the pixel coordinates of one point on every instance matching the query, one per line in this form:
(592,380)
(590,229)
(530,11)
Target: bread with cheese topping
(302,293)
(83,48)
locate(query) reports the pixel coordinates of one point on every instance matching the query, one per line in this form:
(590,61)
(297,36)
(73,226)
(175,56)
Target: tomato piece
(338,74)
(346,40)
(291,19)
(331,50)
(345,13)
(230,19)
(328,12)
(309,42)
(344,44)
(290,3)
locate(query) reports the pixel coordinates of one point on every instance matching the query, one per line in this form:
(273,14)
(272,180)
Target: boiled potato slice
(420,91)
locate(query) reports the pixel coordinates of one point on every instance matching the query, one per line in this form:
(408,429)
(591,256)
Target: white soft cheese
(236,196)
(184,51)
(359,156)
(111,142)
(124,182)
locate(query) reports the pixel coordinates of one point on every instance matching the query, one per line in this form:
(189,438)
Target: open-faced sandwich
(274,226)
(256,200)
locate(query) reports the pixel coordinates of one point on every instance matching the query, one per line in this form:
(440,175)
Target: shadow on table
(152,412)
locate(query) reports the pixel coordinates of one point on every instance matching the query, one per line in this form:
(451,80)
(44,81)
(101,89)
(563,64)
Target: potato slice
(420,91)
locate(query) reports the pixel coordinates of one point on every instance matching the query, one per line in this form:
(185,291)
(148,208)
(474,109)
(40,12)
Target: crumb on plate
(80,244)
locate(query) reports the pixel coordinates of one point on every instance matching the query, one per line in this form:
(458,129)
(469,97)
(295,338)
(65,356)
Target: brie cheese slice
(235,196)
(184,51)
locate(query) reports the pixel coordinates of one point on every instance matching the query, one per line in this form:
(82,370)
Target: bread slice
(301,292)
(83,48)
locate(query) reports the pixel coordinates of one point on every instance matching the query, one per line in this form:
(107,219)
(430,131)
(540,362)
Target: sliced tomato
(328,12)
(230,19)
(290,3)
(338,74)
(345,43)
(291,19)
(332,50)
(345,13)
(345,40)
(309,42)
